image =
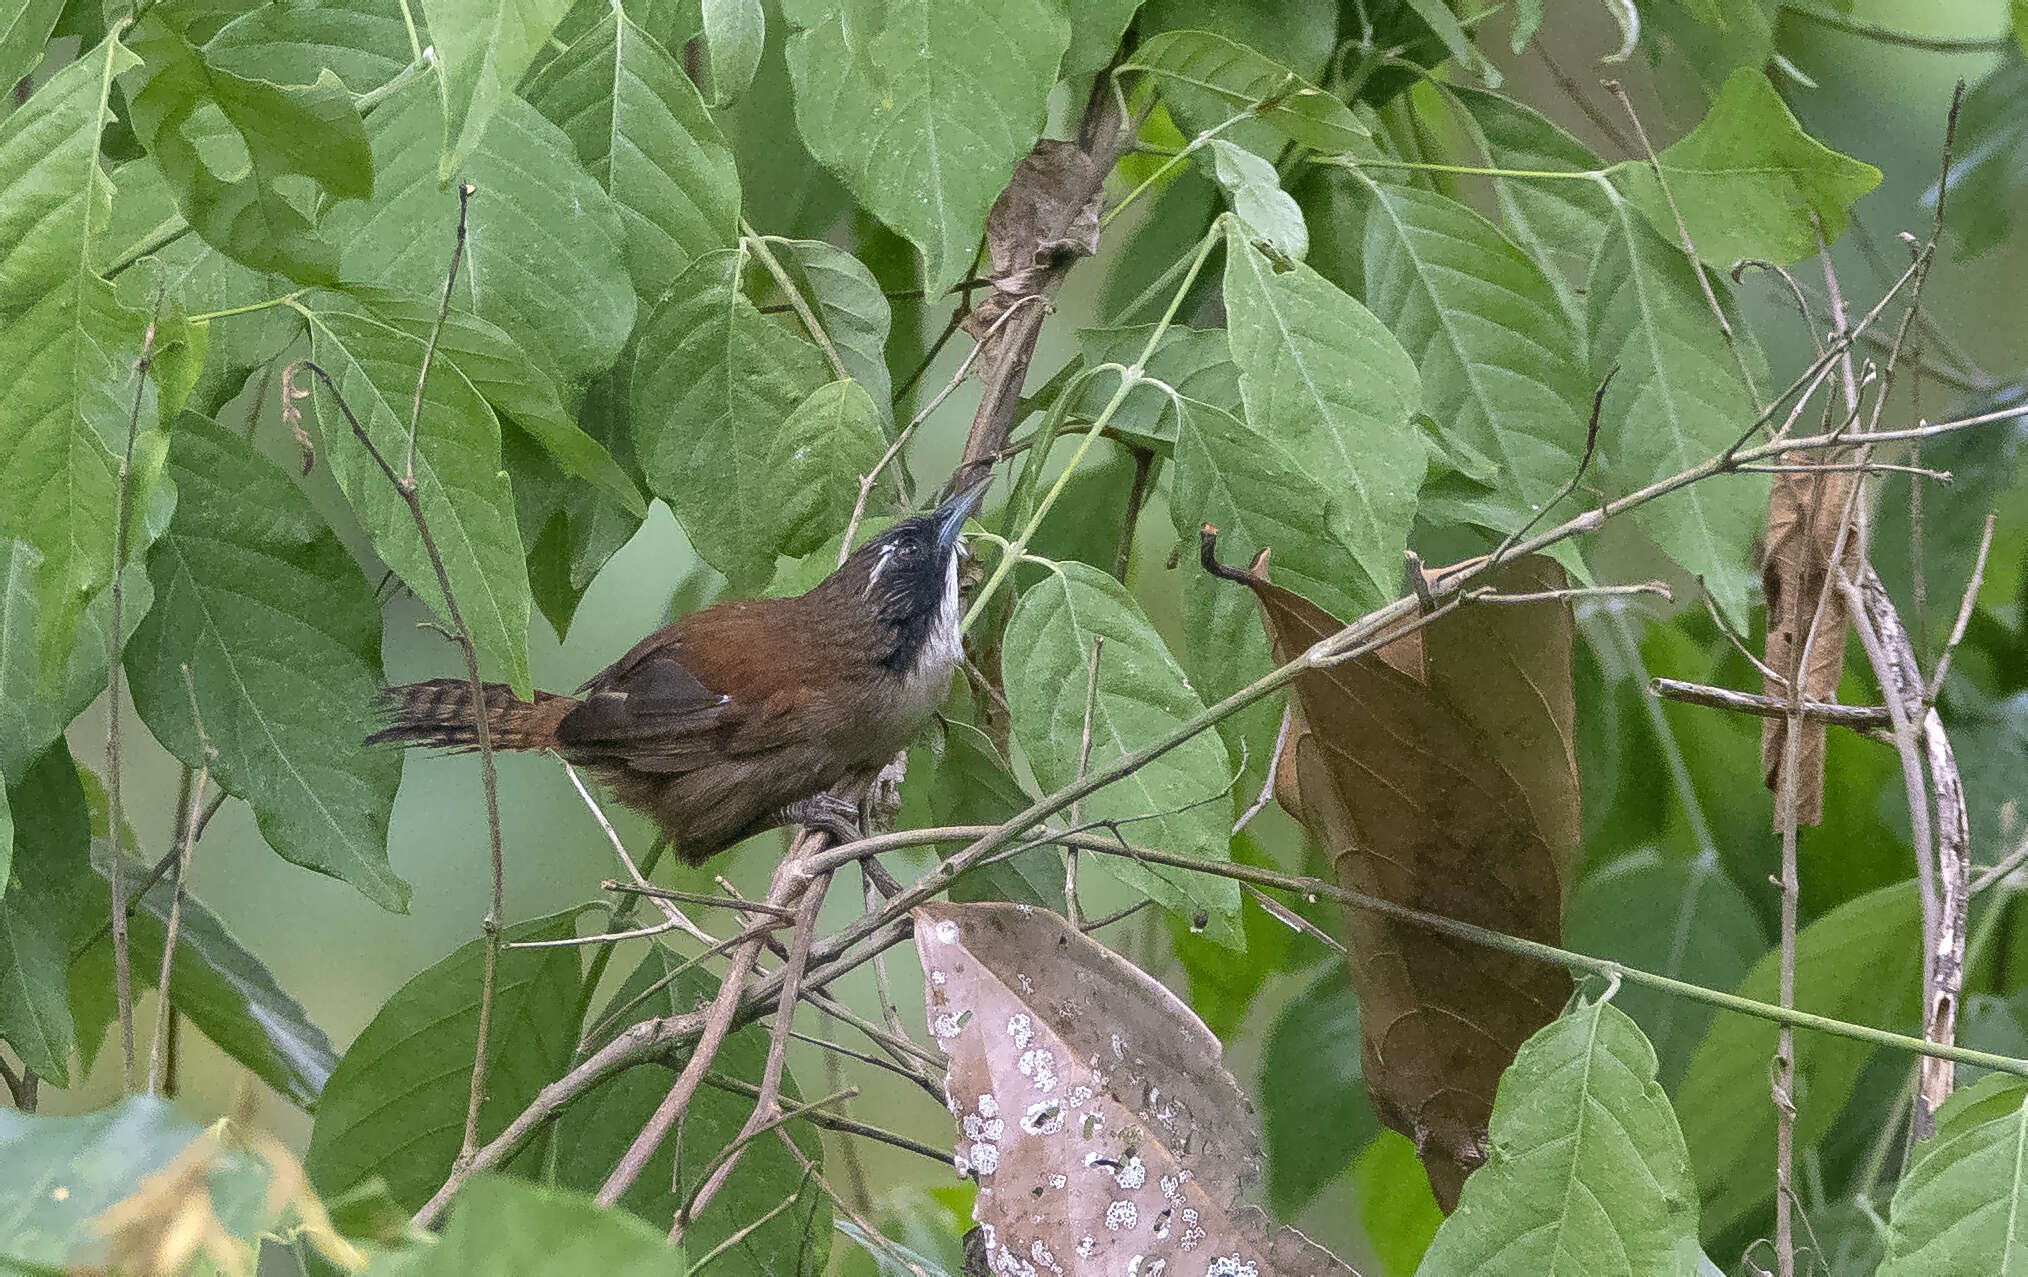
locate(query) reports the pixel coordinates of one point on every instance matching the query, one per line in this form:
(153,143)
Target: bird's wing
(655,710)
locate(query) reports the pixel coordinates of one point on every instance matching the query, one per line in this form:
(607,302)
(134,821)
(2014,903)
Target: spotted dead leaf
(1441,773)
(1804,512)
(1105,1133)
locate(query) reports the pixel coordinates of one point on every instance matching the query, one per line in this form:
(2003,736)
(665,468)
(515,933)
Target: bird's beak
(951,515)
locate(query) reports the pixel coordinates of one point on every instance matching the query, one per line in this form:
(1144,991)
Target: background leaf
(545,250)
(595,1132)
(713,380)
(1748,179)
(512,1228)
(927,110)
(281,636)
(1220,78)
(1177,802)
(1588,1171)
(1325,379)
(1314,1111)
(484,49)
(1676,400)
(395,1106)
(1959,1206)
(309,129)
(464,493)
(1502,369)
(733,33)
(1860,962)
(642,131)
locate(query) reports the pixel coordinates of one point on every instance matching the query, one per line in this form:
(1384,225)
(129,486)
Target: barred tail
(439,713)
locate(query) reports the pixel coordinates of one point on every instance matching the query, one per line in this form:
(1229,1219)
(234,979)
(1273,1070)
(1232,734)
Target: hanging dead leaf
(1106,1135)
(1441,773)
(1046,219)
(1804,512)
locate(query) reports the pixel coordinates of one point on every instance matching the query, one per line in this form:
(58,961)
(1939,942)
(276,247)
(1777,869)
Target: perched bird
(751,714)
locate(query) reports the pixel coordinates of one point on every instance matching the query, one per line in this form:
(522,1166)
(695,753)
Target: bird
(751,714)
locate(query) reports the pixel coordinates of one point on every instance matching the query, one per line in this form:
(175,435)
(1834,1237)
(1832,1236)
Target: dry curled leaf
(1106,1135)
(1804,513)
(1440,773)
(1047,218)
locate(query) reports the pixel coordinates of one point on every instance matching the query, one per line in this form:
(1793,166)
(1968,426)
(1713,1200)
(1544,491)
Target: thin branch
(422,376)
(1966,605)
(1853,716)
(758,242)
(835,1122)
(461,635)
(123,967)
(767,1109)
(164,1011)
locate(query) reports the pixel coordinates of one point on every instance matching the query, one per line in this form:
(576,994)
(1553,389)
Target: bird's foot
(828,813)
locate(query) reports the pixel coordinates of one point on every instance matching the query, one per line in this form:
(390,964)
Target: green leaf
(1326,379)
(1314,1110)
(1587,1172)
(33,715)
(395,1106)
(1963,1206)
(734,31)
(545,245)
(484,49)
(1242,81)
(464,493)
(53,194)
(1196,363)
(642,131)
(1675,401)
(596,529)
(1747,180)
(1714,38)
(505,1227)
(1399,1213)
(1680,918)
(40,912)
(281,636)
(308,129)
(1240,481)
(924,108)
(67,386)
(228,994)
(1861,962)
(514,385)
(23,35)
(1259,201)
(595,1132)
(1176,802)
(1095,30)
(1503,370)
(851,309)
(365,43)
(1991,167)
(710,376)
(64,1172)
(814,463)
(1558,221)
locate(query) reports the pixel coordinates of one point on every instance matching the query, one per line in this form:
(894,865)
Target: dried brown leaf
(1047,218)
(1106,1135)
(1441,773)
(1804,512)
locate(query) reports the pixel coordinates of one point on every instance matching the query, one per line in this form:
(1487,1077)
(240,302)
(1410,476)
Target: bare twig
(422,375)
(123,967)
(767,1109)
(164,1012)
(1965,607)
(1853,716)
(461,635)
(834,1122)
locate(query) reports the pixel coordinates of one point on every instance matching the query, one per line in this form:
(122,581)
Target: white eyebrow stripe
(879,566)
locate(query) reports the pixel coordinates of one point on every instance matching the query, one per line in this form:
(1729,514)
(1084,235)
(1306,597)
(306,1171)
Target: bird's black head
(908,575)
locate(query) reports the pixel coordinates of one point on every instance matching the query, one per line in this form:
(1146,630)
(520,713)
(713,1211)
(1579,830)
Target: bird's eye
(909,551)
